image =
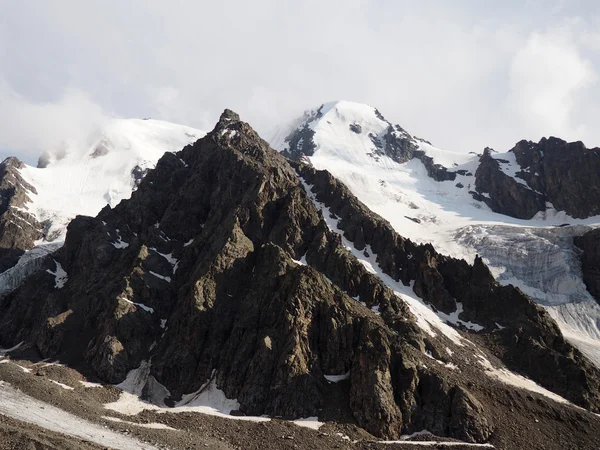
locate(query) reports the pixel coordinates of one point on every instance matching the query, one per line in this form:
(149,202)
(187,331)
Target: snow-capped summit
(359,134)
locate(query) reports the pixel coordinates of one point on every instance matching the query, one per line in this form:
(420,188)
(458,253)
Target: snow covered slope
(83,177)
(387,169)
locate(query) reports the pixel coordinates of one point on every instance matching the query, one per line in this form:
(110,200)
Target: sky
(464,74)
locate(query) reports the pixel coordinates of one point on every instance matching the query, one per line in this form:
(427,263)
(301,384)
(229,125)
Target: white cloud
(27,128)
(547,77)
(460,74)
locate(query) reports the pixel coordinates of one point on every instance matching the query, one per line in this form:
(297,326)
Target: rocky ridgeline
(221,267)
(18,228)
(563,174)
(589,243)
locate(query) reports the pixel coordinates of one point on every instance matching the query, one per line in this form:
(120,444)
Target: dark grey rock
(563,174)
(18,229)
(589,243)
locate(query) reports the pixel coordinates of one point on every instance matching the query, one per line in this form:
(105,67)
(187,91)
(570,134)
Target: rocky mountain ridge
(230,265)
(553,171)
(529,179)
(18,228)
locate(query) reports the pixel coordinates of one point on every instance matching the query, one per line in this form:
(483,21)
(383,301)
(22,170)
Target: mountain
(78,178)
(527,181)
(500,206)
(262,287)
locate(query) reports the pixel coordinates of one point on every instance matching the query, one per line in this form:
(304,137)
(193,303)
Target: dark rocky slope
(18,229)
(567,175)
(199,272)
(589,243)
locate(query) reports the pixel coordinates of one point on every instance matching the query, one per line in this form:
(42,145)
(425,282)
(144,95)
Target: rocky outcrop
(435,171)
(301,142)
(18,228)
(552,171)
(138,173)
(222,269)
(589,243)
(397,144)
(400,146)
(502,193)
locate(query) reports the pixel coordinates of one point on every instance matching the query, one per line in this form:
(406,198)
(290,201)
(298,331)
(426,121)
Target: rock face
(552,171)
(222,268)
(300,141)
(505,195)
(18,228)
(590,261)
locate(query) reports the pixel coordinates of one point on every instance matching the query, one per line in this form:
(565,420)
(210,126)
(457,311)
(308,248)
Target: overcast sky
(462,74)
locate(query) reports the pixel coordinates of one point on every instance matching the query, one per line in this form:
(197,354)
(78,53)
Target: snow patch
(153,426)
(515,380)
(139,305)
(21,407)
(169,257)
(24,369)
(88,384)
(301,261)
(158,275)
(4,351)
(453,319)
(309,422)
(438,444)
(119,244)
(64,386)
(207,400)
(60,276)
(337,378)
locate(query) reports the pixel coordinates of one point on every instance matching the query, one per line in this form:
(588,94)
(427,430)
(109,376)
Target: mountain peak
(229,115)
(360,135)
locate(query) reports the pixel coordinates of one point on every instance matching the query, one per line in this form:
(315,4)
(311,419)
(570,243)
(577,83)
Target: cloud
(549,79)
(460,74)
(27,128)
